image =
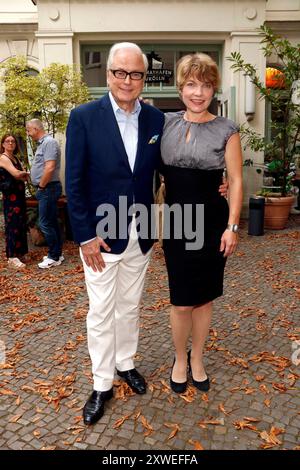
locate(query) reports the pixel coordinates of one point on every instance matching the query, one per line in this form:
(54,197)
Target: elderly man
(45,177)
(112,150)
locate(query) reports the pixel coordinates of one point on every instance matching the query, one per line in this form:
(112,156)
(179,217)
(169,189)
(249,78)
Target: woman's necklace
(199,120)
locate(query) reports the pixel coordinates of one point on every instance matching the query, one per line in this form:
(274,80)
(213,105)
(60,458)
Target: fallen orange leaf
(267,402)
(244,425)
(5,391)
(196,444)
(18,400)
(280,387)
(216,422)
(137,415)
(264,389)
(120,421)
(175,427)
(15,418)
(222,409)
(147,426)
(259,378)
(271,437)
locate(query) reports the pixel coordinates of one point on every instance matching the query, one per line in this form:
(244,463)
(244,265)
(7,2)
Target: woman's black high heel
(177,387)
(204,385)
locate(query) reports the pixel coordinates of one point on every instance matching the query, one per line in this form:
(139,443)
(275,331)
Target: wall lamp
(249,98)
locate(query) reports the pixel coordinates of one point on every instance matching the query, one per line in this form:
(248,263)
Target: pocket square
(153,139)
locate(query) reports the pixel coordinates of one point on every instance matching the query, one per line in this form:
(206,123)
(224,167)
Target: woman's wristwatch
(233,228)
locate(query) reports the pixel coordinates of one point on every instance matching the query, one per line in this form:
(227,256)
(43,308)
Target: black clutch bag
(6,180)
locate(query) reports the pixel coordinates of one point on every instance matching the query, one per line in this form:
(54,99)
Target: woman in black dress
(196,147)
(14,206)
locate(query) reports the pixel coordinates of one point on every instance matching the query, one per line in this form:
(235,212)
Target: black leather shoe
(177,387)
(204,385)
(134,379)
(94,408)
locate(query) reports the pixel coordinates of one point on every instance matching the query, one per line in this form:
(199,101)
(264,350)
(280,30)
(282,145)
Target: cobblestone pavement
(252,357)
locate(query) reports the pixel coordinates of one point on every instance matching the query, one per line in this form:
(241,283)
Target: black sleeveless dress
(14,209)
(193,172)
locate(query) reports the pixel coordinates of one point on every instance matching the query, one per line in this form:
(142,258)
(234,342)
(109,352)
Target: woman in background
(14,206)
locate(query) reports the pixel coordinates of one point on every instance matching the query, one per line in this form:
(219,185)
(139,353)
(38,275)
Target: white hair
(125,45)
(36,123)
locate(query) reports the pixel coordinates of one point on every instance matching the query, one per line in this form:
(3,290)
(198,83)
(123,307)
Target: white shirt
(129,127)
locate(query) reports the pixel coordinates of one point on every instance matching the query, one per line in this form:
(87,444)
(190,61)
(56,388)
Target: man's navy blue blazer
(98,171)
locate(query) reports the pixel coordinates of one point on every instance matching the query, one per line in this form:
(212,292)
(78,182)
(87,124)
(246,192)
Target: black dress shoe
(177,387)
(204,385)
(134,379)
(94,408)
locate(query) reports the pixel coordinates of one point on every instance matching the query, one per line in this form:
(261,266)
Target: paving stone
(268,419)
(13,427)
(27,437)
(7,435)
(103,442)
(249,301)
(23,422)
(92,438)
(220,430)
(17,445)
(290,438)
(80,445)
(12,439)
(36,444)
(256,406)
(294,431)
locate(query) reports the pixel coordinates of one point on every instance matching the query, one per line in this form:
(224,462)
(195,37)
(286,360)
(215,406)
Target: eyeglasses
(122,74)
(10,141)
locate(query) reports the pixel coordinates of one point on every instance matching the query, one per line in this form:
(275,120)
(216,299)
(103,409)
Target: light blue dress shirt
(129,126)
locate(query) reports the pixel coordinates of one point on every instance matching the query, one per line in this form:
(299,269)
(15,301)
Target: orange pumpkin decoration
(274,78)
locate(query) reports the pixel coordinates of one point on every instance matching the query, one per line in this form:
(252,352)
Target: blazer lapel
(112,128)
(142,135)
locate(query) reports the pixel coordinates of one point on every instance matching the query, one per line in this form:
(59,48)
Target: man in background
(45,177)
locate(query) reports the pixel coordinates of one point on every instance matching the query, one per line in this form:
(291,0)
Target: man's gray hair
(36,123)
(125,45)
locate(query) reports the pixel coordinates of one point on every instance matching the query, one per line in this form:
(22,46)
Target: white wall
(17,11)
(19,21)
(283,10)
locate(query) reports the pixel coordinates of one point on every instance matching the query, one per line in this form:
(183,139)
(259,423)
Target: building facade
(81,32)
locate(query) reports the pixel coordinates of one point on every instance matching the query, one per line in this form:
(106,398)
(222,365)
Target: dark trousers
(48,217)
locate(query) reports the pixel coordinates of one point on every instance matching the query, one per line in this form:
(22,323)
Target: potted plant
(281,90)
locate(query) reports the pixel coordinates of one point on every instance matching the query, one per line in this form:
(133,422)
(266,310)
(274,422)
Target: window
(92,59)
(162,59)
(94,66)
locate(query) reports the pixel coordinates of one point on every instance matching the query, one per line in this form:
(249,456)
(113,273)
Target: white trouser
(113,317)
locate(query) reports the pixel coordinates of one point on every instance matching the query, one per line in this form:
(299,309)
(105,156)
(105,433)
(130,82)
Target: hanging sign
(156,72)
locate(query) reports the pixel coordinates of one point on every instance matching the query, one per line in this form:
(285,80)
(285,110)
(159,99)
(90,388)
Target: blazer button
(134,178)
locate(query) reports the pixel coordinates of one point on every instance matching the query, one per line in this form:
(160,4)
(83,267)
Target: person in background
(45,177)
(196,147)
(14,206)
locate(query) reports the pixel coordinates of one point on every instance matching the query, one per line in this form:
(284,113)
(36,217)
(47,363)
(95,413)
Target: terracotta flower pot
(277,211)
